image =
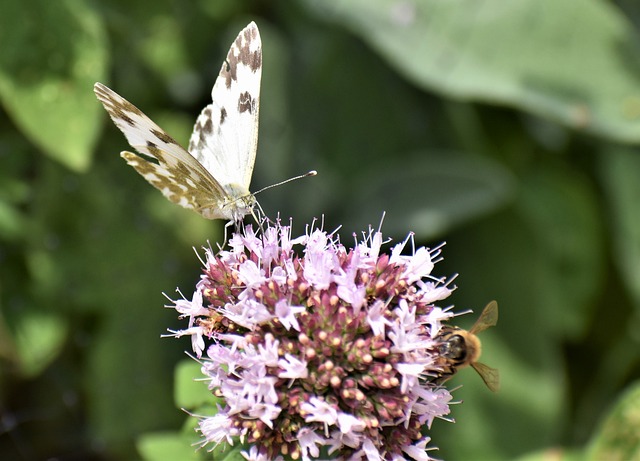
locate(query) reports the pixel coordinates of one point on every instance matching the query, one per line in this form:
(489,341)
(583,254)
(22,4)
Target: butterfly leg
(260,216)
(226,226)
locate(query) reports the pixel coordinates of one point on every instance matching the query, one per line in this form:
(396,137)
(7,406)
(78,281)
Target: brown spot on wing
(207,127)
(126,118)
(116,105)
(244,56)
(164,137)
(246,103)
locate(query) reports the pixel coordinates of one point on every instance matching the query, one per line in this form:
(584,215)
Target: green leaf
(164,48)
(496,259)
(431,193)
(39,338)
(576,66)
(233,455)
(528,394)
(53,53)
(190,386)
(619,435)
(8,349)
(166,446)
(562,210)
(12,222)
(620,174)
(553,454)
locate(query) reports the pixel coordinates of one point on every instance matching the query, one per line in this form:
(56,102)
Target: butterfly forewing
(225,136)
(178,175)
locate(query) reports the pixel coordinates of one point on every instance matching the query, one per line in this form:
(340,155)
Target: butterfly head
(239,202)
(243,206)
(233,204)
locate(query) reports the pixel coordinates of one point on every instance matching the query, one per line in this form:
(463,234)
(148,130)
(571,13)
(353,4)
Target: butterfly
(212,177)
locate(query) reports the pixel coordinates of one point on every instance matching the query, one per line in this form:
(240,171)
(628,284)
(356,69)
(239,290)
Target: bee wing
(490,376)
(488,318)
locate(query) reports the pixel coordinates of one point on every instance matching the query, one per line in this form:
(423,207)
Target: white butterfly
(213,177)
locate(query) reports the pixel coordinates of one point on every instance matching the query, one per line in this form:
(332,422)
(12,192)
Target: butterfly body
(213,176)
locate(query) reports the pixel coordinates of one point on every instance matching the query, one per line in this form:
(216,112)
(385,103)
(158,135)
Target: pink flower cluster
(319,351)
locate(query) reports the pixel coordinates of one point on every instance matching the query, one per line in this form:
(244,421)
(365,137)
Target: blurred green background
(509,129)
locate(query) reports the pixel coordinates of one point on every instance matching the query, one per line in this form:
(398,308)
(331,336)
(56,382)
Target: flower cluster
(322,352)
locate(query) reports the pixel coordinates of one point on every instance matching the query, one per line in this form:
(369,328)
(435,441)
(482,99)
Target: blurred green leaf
(529,397)
(39,337)
(13,192)
(562,210)
(164,48)
(497,260)
(53,53)
(553,454)
(233,455)
(577,66)
(221,10)
(7,341)
(94,258)
(620,175)
(190,386)
(618,439)
(184,444)
(166,446)
(12,222)
(44,271)
(14,187)
(431,192)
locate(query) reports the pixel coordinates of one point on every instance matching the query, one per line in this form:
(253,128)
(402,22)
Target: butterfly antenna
(310,173)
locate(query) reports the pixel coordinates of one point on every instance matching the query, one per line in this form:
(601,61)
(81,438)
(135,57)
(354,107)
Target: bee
(215,323)
(459,348)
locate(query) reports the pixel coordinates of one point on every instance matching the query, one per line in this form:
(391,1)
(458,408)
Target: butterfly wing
(225,136)
(178,175)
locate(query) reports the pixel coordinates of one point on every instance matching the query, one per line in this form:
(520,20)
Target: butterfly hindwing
(179,183)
